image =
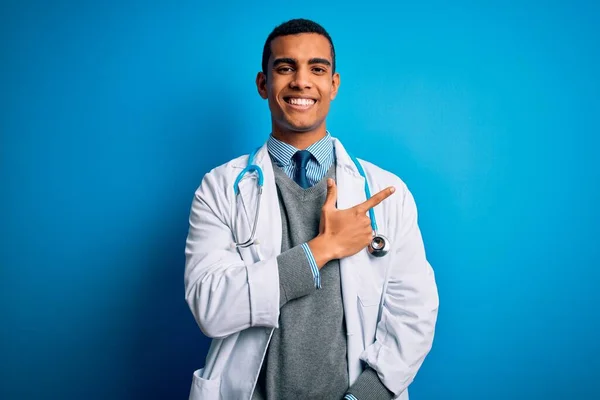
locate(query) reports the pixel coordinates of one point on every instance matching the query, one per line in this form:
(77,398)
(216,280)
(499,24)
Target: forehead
(302,46)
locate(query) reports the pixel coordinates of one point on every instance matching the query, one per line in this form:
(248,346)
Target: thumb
(331,198)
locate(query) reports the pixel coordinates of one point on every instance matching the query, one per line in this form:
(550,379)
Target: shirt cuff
(313,266)
(350,397)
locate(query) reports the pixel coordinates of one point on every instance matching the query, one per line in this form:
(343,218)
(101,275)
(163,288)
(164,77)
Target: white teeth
(301,102)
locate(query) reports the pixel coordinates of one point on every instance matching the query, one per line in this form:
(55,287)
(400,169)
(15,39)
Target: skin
(300,67)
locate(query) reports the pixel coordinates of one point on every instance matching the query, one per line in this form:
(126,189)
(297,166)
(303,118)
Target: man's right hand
(343,233)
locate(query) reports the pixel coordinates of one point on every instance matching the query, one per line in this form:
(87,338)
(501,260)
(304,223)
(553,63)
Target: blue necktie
(302,157)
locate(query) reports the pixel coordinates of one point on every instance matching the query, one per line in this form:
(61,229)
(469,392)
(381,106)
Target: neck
(300,140)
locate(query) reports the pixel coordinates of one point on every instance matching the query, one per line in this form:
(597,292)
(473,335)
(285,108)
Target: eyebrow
(319,61)
(292,61)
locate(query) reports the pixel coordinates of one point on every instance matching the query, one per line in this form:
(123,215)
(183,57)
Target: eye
(319,70)
(285,70)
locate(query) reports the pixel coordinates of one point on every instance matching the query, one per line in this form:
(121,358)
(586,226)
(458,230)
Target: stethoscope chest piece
(379,246)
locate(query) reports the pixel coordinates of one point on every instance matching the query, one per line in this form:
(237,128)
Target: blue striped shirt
(323,156)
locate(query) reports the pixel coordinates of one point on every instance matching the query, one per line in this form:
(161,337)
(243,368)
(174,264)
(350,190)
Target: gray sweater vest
(306,358)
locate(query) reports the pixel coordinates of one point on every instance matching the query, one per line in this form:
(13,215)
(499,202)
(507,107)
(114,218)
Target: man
(304,311)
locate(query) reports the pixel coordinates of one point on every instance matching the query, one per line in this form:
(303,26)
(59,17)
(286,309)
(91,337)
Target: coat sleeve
(224,294)
(405,331)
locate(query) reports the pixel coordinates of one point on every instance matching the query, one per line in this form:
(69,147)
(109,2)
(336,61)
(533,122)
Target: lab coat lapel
(350,184)
(351,191)
(268,231)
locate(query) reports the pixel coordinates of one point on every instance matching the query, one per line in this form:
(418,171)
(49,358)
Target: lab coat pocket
(368,297)
(368,310)
(204,389)
(370,278)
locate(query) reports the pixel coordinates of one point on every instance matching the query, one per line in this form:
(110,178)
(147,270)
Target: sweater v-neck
(305,194)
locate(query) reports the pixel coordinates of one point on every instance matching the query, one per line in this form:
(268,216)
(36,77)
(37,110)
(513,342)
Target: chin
(301,127)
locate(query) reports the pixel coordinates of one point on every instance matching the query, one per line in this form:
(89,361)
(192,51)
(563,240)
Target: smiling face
(299,87)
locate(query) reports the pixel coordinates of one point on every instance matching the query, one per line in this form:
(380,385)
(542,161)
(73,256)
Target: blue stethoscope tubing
(379,245)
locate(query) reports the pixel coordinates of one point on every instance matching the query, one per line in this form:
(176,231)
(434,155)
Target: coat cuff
(368,386)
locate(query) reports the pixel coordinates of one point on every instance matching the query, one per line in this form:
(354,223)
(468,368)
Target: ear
(261,85)
(335,84)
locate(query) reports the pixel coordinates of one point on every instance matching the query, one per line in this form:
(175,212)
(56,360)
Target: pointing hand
(343,233)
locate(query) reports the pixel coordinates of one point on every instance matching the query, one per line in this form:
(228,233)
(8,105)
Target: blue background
(111,113)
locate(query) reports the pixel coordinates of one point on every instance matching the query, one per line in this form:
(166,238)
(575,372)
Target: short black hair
(294,27)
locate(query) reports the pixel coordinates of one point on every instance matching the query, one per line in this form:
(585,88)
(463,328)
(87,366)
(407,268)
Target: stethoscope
(379,246)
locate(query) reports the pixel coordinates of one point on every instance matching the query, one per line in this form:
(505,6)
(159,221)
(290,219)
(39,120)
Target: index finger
(375,199)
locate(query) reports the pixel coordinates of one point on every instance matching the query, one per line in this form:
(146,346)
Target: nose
(301,79)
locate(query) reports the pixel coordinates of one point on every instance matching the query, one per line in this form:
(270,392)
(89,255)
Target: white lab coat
(390,303)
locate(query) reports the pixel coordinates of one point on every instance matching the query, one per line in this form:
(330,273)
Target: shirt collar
(283,152)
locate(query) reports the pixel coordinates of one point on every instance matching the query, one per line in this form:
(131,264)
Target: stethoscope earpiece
(379,246)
